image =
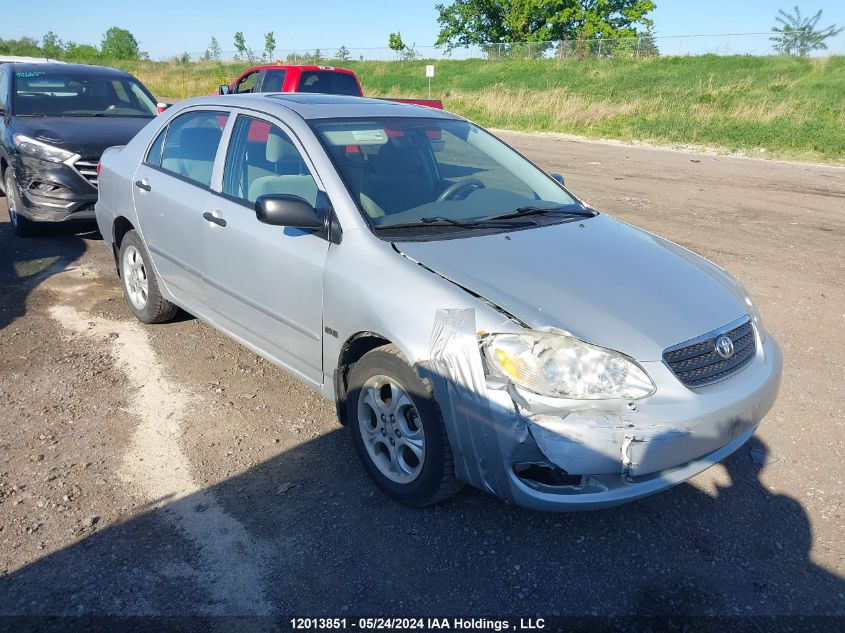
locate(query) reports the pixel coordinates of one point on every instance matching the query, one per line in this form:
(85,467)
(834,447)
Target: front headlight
(561,366)
(37,149)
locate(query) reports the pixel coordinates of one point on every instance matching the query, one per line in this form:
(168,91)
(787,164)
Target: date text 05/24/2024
(417,624)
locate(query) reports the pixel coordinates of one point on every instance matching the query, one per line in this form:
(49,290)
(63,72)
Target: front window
(407,173)
(247,84)
(329,82)
(262,160)
(75,94)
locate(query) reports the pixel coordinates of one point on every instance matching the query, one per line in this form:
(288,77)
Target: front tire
(397,430)
(140,286)
(23,227)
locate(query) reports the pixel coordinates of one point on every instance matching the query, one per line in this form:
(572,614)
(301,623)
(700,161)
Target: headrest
(280,148)
(202,140)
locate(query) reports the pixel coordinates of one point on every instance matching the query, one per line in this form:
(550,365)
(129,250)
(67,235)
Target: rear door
(265,283)
(273,80)
(172,192)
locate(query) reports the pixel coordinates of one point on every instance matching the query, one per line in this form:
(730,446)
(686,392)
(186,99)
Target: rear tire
(140,286)
(23,227)
(397,430)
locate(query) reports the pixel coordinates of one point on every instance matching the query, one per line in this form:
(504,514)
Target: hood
(86,136)
(601,280)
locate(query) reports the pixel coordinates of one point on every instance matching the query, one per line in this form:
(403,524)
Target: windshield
(70,94)
(435,172)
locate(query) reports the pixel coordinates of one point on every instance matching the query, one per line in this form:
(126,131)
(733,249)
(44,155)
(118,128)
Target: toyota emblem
(724,347)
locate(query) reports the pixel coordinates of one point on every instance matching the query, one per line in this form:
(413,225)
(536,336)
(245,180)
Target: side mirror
(557,177)
(286,210)
(223,89)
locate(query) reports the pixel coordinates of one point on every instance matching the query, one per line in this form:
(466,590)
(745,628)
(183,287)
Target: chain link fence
(594,48)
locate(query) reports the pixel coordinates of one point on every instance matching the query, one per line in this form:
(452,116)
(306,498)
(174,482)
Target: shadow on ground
(24,262)
(340,548)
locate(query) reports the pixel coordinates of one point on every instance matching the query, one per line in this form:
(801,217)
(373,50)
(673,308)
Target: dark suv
(56,121)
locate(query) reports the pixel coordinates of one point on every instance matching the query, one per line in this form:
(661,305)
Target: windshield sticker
(373,136)
(369,136)
(31,73)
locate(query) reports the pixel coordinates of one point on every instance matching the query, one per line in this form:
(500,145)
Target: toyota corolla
(472,319)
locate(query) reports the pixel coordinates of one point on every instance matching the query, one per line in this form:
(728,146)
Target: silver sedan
(472,319)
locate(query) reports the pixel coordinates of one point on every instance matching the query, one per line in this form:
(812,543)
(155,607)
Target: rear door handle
(213,218)
(143,184)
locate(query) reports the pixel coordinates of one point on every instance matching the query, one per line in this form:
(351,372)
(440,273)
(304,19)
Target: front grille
(697,362)
(87,168)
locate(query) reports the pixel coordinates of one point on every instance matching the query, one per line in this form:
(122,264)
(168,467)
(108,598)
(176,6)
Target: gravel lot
(166,470)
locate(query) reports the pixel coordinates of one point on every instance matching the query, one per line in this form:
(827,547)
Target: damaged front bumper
(54,192)
(558,455)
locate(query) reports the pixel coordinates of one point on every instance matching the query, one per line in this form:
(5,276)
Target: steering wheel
(455,187)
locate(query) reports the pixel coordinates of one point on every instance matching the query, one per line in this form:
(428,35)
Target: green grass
(766,106)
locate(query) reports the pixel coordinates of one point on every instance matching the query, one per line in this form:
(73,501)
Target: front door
(171,193)
(266,282)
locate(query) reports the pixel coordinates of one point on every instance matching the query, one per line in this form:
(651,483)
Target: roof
(17,59)
(306,67)
(67,68)
(324,106)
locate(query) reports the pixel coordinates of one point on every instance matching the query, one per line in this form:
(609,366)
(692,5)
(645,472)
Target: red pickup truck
(293,78)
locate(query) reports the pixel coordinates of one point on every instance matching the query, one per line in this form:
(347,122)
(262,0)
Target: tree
(395,43)
(269,45)
(240,45)
(213,51)
(52,46)
(77,52)
(469,22)
(798,35)
(343,54)
(647,45)
(119,43)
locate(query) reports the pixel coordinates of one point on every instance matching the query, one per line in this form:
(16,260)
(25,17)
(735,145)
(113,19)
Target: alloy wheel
(135,277)
(391,428)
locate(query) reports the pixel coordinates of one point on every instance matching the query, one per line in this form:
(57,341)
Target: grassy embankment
(766,106)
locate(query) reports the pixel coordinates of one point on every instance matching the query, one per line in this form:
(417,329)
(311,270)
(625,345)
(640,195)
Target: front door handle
(213,218)
(143,184)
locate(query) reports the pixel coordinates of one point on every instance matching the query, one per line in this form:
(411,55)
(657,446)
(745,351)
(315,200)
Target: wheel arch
(350,353)
(120,227)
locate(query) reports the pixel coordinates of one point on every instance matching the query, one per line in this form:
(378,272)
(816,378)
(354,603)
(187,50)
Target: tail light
(161,107)
(99,167)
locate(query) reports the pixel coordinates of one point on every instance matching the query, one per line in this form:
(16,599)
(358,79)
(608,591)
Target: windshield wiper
(441,220)
(526,211)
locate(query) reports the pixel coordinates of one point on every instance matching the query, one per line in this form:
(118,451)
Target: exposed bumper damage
(588,455)
(53,192)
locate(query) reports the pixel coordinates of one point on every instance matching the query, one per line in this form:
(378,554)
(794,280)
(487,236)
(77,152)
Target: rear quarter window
(154,153)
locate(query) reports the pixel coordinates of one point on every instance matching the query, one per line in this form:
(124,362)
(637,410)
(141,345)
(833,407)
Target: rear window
(190,146)
(329,82)
(75,94)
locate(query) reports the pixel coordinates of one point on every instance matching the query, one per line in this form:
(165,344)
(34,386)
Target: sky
(169,27)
